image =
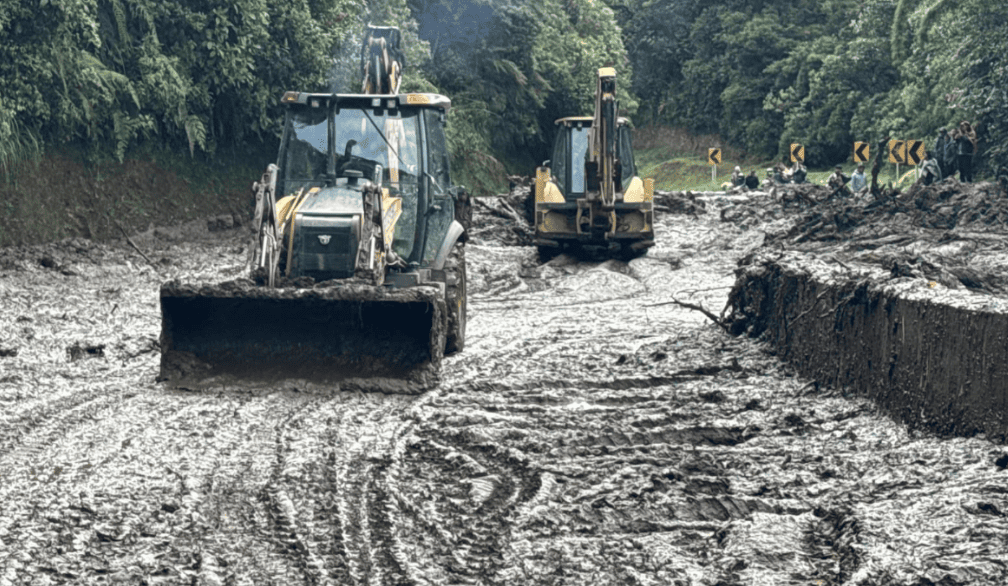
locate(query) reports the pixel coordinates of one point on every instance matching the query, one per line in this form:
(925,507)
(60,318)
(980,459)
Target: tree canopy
(202,75)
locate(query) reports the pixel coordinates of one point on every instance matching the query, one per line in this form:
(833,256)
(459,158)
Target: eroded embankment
(932,356)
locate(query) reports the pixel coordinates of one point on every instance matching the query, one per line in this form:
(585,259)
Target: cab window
(579,149)
(364,140)
(625,154)
(437,151)
(558,164)
(307,148)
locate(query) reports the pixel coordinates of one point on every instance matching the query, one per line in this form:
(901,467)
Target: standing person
(966,146)
(939,150)
(930,171)
(858,181)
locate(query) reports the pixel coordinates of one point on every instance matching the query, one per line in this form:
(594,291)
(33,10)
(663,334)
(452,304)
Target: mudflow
(594,431)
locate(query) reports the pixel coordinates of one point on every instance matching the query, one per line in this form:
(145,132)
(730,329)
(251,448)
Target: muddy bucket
(348,336)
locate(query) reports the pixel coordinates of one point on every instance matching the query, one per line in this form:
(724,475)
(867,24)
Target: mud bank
(932,356)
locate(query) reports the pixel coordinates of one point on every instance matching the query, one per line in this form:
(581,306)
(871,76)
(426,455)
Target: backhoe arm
(602,154)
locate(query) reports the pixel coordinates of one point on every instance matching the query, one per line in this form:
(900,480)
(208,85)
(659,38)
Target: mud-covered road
(591,433)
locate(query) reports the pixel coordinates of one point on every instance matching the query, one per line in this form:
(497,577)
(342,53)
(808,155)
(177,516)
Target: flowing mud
(593,431)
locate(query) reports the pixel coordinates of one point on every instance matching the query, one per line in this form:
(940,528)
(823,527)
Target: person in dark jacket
(966,140)
(838,182)
(798,172)
(751,180)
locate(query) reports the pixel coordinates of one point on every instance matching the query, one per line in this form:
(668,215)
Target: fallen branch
(699,308)
(692,291)
(811,307)
(133,244)
(507,214)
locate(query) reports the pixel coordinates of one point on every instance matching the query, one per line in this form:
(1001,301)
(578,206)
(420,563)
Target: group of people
(739,180)
(954,151)
(780,173)
(838,182)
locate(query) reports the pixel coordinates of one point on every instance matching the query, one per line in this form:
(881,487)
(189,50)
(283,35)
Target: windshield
(364,140)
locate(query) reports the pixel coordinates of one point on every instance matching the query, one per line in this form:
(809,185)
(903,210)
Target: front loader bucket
(349,336)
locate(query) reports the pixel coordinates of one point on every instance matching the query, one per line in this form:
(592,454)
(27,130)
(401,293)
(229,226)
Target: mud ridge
(931,356)
(832,539)
(290,532)
(616,384)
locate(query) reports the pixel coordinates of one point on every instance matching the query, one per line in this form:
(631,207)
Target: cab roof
(586,121)
(370,100)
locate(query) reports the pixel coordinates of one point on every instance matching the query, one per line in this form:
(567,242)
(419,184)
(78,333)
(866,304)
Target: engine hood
(338,200)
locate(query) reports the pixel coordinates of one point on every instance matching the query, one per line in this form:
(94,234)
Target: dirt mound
(950,232)
(502,220)
(679,202)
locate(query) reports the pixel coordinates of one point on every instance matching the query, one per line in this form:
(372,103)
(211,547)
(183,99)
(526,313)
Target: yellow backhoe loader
(357,270)
(588,194)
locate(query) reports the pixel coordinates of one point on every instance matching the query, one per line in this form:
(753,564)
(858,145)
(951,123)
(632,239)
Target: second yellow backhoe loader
(589,194)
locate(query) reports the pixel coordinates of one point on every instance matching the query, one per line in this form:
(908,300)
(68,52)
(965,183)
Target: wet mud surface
(591,432)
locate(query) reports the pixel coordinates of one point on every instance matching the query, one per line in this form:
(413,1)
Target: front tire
(456,298)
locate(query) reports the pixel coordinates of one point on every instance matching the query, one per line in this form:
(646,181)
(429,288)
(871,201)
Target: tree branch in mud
(815,303)
(876,167)
(504,211)
(694,307)
(133,244)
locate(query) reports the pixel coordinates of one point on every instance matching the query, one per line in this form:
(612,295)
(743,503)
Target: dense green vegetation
(204,76)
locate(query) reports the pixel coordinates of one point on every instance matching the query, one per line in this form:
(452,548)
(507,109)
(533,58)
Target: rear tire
(456,298)
(627,254)
(547,253)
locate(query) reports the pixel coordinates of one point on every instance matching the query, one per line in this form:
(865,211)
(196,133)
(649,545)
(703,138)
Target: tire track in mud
(293,532)
(366,435)
(454,499)
(256,526)
(33,430)
(46,450)
(325,498)
(185,505)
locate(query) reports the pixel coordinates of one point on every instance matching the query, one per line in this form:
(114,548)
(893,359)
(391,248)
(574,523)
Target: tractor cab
(334,145)
(570,151)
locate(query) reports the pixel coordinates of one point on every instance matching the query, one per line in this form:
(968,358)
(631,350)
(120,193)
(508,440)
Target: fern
(142,11)
(111,81)
(125,130)
(120,19)
(16,143)
(196,133)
